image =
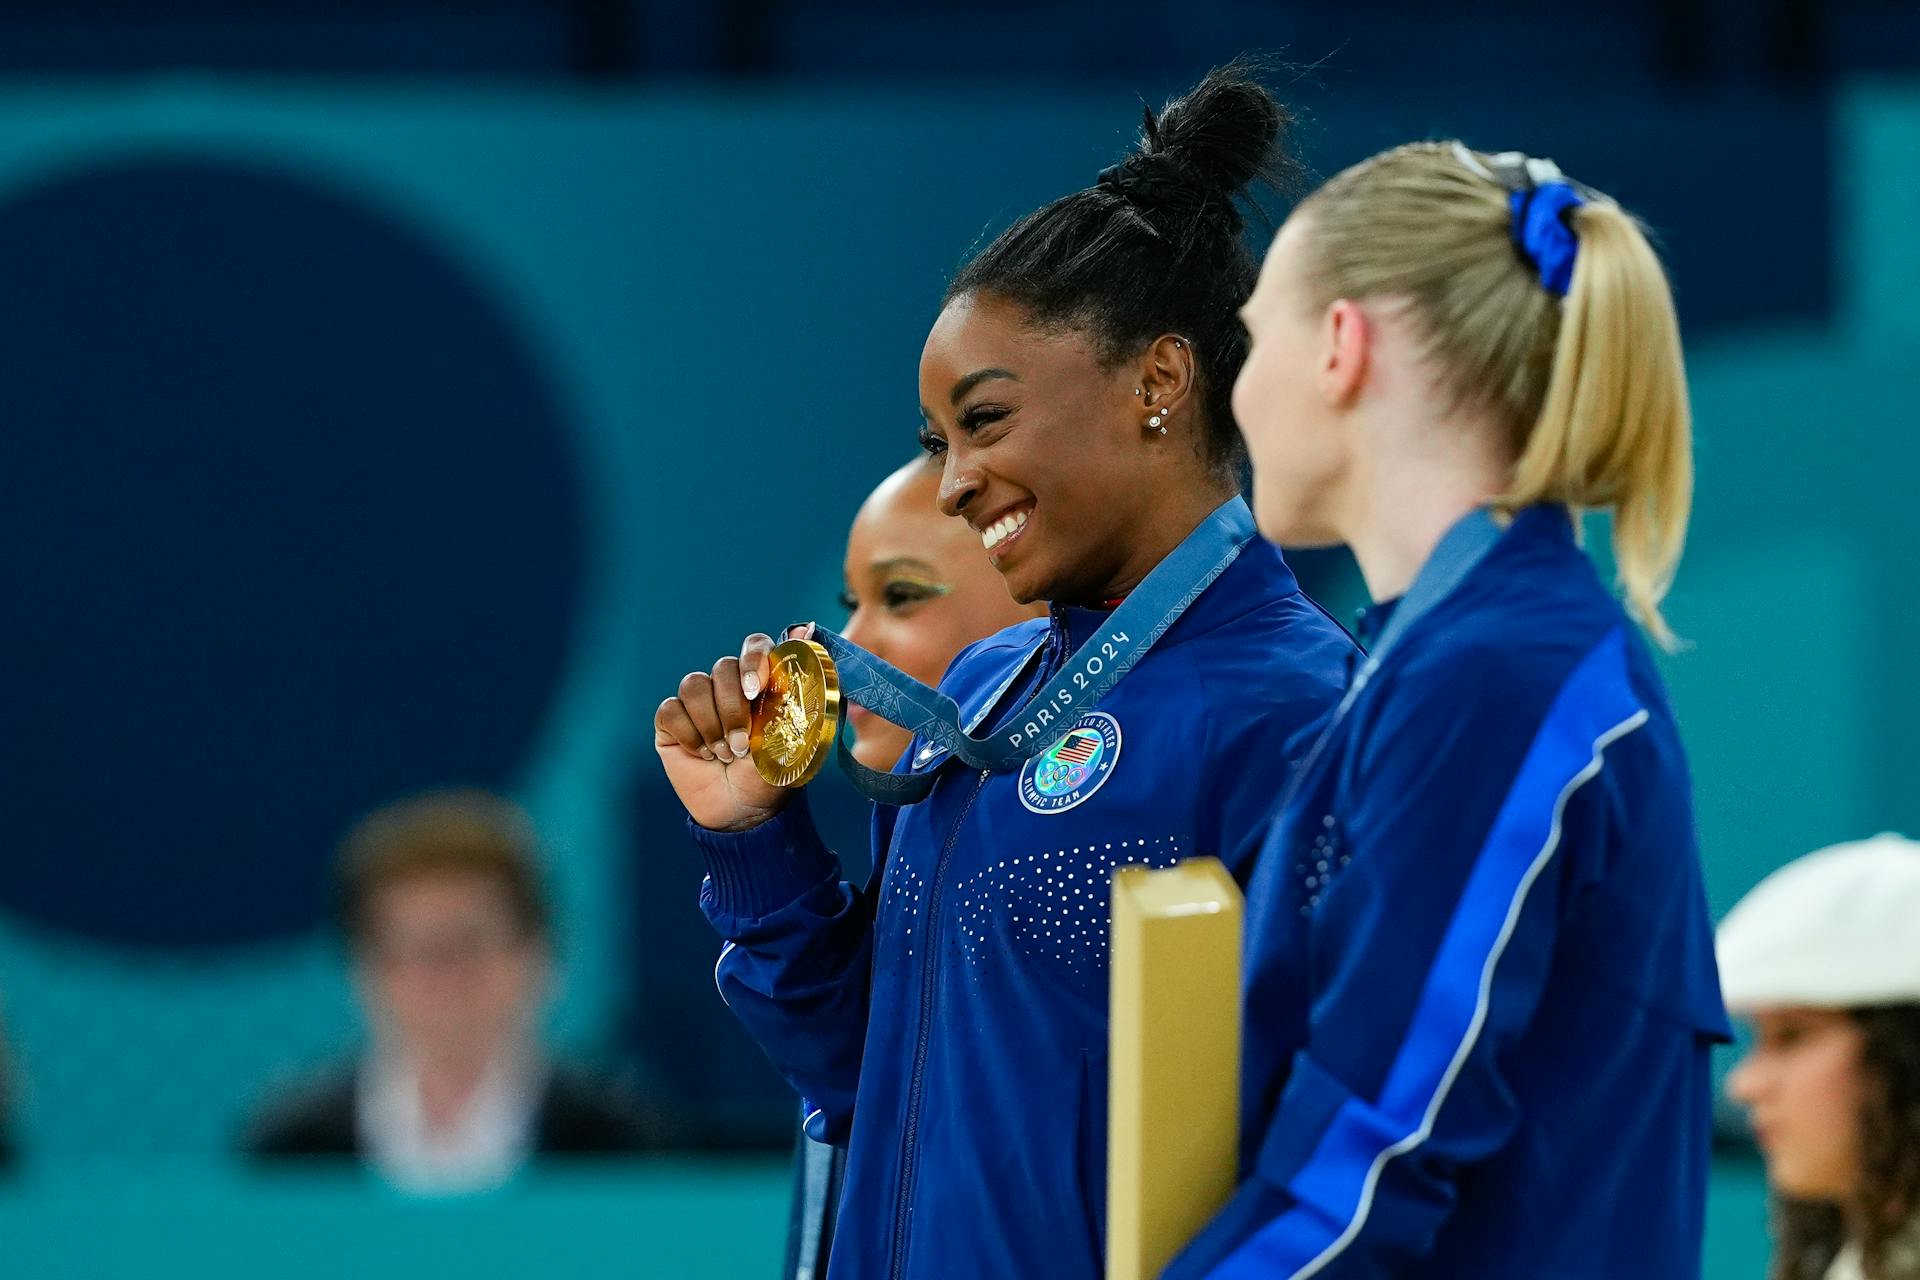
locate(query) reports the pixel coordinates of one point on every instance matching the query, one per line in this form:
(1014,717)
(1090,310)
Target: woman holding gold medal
(949,1023)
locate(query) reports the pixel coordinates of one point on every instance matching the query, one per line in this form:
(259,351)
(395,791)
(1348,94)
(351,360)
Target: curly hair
(1809,1234)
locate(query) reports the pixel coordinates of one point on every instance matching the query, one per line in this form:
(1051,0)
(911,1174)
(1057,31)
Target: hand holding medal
(735,741)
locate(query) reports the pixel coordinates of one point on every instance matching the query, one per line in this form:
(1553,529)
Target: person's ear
(1164,379)
(1346,347)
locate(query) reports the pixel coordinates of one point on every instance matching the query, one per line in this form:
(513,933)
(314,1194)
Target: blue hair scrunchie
(1541,229)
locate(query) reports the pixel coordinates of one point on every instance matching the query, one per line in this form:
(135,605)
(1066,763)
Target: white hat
(1837,928)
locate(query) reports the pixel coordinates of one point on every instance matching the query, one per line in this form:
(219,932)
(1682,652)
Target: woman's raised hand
(701,735)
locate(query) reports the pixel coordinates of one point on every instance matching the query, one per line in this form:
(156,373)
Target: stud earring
(1155,422)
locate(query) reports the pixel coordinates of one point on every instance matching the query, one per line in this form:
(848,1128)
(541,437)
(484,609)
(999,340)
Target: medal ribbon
(1086,677)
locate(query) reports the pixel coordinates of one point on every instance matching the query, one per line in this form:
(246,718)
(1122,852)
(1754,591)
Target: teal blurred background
(366,434)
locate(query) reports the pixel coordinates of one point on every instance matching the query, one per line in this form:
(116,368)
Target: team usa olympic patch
(1073,768)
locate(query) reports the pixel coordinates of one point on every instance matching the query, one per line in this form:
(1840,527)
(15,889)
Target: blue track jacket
(1481,988)
(951,1023)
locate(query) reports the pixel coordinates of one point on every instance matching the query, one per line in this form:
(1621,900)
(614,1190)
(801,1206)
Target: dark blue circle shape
(290,526)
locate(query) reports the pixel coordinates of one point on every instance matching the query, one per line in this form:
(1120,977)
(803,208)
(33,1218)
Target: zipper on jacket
(910,1134)
(929,969)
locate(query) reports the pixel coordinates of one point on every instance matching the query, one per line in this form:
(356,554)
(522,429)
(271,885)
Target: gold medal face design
(797,717)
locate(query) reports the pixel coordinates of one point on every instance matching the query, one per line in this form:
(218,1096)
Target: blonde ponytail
(1615,431)
(1590,388)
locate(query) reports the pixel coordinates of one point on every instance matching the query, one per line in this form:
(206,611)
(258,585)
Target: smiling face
(1802,1086)
(919,589)
(1044,451)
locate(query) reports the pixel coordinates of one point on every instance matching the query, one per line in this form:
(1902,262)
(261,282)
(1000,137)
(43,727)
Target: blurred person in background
(452,946)
(919,589)
(1822,960)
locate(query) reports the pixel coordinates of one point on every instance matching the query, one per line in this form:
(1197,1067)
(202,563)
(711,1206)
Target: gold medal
(796,719)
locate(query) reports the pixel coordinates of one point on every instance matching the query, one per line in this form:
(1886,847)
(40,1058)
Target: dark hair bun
(1157,245)
(1204,148)
(1222,133)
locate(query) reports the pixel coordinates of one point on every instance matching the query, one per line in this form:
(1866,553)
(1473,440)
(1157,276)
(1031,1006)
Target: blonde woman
(1481,988)
(1822,959)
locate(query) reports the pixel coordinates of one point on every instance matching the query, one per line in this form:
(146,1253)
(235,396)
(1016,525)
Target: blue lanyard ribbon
(1085,678)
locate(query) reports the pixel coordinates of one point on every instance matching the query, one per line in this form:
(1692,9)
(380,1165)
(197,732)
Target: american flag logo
(1079,747)
(1073,768)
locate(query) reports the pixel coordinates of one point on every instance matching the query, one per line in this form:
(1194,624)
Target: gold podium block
(1173,1125)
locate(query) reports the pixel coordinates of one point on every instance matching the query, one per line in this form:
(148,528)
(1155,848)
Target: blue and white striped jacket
(1481,990)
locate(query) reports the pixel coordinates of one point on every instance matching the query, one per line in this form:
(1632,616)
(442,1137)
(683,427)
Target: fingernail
(738,741)
(721,753)
(705,754)
(750,684)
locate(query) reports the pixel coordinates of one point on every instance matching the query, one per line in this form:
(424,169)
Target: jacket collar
(1258,576)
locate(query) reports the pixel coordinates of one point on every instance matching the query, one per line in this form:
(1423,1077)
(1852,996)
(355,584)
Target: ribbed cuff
(756,872)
